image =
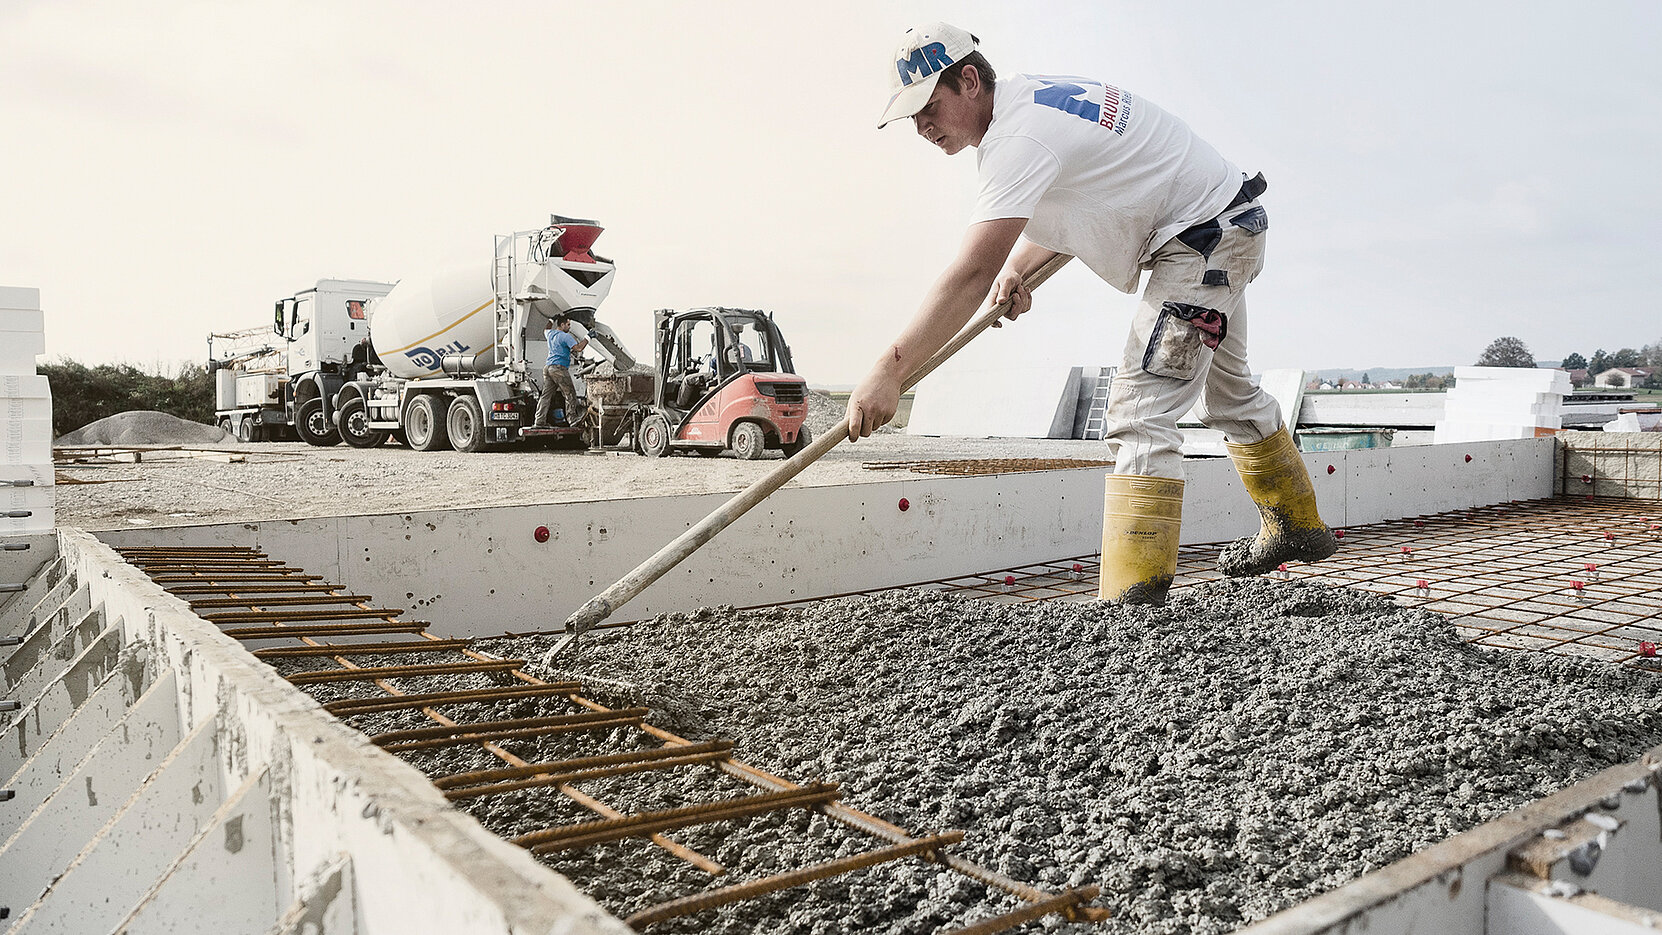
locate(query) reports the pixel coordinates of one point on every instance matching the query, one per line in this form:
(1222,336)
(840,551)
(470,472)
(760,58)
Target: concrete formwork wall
(1611,464)
(170,782)
(482,571)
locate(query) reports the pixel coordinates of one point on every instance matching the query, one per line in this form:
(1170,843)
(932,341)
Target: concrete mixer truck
(454,360)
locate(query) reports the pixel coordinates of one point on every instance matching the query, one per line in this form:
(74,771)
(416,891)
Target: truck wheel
(424,424)
(804,438)
(314,427)
(465,422)
(654,436)
(226,427)
(245,429)
(749,441)
(354,425)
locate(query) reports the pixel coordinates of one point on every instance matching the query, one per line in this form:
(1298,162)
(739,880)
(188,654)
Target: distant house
(1578,376)
(1622,376)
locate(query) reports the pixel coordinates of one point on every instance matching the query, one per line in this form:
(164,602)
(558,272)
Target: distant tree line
(1512,352)
(82,394)
(1428,381)
(1648,356)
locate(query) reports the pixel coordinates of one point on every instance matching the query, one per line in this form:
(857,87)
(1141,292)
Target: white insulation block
(25,441)
(25,510)
(24,297)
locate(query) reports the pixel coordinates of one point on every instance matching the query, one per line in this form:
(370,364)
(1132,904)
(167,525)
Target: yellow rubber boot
(1292,529)
(1140,520)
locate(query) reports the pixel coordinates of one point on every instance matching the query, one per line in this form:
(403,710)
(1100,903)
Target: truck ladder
(502,282)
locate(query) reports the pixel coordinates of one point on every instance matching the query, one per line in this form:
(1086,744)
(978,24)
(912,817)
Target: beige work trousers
(1168,370)
(557,378)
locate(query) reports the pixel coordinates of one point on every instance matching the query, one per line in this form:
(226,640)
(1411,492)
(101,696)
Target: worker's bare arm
(1010,285)
(954,297)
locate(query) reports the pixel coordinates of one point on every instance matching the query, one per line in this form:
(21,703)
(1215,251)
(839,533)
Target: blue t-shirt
(560,344)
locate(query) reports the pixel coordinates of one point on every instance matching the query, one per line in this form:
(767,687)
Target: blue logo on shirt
(924,61)
(1065,97)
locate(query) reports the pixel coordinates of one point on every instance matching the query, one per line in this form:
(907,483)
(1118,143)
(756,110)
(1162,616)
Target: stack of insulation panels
(27,539)
(1502,402)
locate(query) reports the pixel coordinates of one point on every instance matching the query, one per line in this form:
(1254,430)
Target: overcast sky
(1441,173)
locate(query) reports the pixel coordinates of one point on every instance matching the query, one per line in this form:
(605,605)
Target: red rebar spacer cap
(1576,585)
(905,504)
(1331,469)
(1281,567)
(1009,579)
(1422,584)
(1468,459)
(1419,522)
(1590,566)
(1647,649)
(1586,478)
(541,534)
(1609,535)
(1338,533)
(1078,567)
(1406,550)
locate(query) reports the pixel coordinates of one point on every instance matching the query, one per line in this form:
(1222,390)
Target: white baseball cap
(925,51)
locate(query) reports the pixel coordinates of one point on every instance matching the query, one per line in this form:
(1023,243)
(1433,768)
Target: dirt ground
(288,480)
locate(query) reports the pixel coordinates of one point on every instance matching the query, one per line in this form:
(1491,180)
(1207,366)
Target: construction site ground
(286,480)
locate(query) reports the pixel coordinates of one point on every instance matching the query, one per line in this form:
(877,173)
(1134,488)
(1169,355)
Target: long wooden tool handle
(603,604)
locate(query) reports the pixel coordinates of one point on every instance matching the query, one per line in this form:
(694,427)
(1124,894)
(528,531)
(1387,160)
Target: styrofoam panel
(24,384)
(1287,388)
(1554,381)
(19,408)
(1017,402)
(28,320)
(19,297)
(19,350)
(26,441)
(1487,394)
(39,475)
(1520,414)
(1446,433)
(37,502)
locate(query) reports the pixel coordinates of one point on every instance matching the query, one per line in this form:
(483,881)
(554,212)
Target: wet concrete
(1246,746)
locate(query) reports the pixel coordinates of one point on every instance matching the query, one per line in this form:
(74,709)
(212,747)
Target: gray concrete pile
(143,427)
(1247,746)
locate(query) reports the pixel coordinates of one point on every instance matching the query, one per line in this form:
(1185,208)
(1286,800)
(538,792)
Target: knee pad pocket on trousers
(1182,338)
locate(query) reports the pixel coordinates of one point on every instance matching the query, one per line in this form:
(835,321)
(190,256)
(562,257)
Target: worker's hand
(872,404)
(1009,286)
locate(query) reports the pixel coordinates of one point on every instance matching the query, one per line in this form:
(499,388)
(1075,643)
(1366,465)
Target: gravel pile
(1208,763)
(826,412)
(143,427)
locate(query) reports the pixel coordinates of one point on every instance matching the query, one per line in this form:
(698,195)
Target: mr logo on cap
(925,51)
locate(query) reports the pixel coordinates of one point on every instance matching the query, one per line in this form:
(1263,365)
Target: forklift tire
(654,438)
(749,441)
(354,425)
(465,424)
(424,424)
(312,424)
(804,438)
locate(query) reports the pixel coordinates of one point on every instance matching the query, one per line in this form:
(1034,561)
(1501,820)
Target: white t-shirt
(1099,173)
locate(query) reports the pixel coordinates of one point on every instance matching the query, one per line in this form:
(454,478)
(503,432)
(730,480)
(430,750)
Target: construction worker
(557,374)
(1077,167)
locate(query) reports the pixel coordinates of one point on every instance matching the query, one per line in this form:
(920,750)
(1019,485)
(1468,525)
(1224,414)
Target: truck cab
(326,332)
